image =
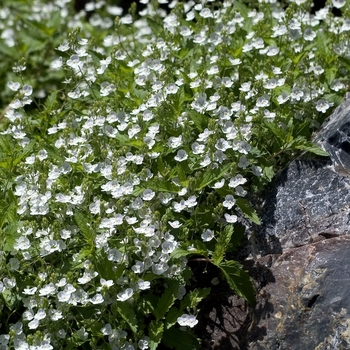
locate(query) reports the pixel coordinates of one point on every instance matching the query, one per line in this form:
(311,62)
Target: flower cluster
(140,147)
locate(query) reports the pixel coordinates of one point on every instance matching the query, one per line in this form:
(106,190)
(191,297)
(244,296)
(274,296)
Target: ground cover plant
(132,142)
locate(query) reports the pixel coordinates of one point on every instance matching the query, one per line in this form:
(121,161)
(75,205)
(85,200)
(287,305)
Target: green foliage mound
(132,142)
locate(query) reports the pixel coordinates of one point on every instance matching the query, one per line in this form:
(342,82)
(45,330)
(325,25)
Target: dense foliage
(132,142)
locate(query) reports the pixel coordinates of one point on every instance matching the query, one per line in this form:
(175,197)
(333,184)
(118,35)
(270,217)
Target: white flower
(243,162)
(168,247)
(14,86)
(160,268)
(338,3)
(187,320)
(206,13)
(63,47)
(175,224)
(33,324)
(309,34)
(337,85)
(40,315)
(240,191)
(207,235)
(55,315)
(256,170)
(30,291)
(48,289)
(63,296)
(175,142)
(125,295)
(230,218)
(322,106)
(97,299)
(139,267)
(148,195)
(181,155)
(263,101)
(219,184)
(283,98)
(229,202)
(143,285)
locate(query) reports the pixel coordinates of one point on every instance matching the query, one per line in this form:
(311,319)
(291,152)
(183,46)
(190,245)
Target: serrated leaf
(167,299)
(105,267)
(26,151)
(53,154)
(10,298)
(126,311)
(177,339)
(172,316)
(6,144)
(155,334)
(310,147)
(222,243)
(277,131)
(269,172)
(238,280)
(196,296)
(9,236)
(179,252)
(163,186)
(50,101)
(247,210)
(155,26)
(85,230)
(125,141)
(210,176)
(7,212)
(199,120)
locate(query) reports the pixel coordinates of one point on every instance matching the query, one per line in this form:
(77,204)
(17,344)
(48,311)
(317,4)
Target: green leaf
(269,172)
(247,210)
(163,186)
(199,248)
(10,298)
(200,120)
(238,280)
(167,299)
(156,27)
(53,154)
(180,252)
(222,243)
(85,230)
(279,132)
(177,339)
(104,266)
(6,144)
(9,236)
(26,151)
(50,101)
(194,297)
(126,311)
(7,212)
(155,333)
(310,147)
(210,176)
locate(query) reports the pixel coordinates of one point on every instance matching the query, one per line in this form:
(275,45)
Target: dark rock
(307,307)
(301,258)
(310,199)
(304,240)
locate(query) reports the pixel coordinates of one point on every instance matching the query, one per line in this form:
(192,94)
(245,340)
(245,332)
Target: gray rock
(304,242)
(301,264)
(308,305)
(310,199)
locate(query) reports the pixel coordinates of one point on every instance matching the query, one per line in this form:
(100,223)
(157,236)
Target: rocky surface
(302,258)
(308,304)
